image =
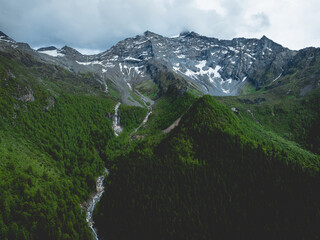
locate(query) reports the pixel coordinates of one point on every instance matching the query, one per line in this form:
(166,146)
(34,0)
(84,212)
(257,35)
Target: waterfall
(94,200)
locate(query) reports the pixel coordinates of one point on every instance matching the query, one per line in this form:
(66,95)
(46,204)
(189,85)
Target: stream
(116,121)
(148,106)
(94,199)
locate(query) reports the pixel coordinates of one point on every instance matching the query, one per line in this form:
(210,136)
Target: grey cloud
(99,24)
(259,22)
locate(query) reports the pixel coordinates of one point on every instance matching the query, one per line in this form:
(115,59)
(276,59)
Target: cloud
(99,24)
(258,22)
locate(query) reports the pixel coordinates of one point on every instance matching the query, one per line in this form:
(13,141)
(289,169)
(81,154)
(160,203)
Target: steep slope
(55,126)
(209,179)
(207,65)
(216,67)
(289,105)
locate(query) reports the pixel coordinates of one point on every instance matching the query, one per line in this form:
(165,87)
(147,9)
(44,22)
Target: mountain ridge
(207,65)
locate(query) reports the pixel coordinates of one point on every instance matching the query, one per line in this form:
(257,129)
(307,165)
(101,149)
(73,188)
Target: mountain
(207,65)
(242,163)
(4,37)
(211,66)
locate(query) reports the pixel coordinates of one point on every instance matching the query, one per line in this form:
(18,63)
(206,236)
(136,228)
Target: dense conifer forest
(209,179)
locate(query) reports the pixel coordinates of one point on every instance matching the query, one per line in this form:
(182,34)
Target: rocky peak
(264,38)
(5,38)
(150,34)
(216,67)
(51,48)
(2,34)
(191,34)
(68,51)
(184,33)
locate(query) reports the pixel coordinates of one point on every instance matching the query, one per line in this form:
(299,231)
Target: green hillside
(212,178)
(55,126)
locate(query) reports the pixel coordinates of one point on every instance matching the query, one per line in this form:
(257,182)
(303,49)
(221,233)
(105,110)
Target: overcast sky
(99,24)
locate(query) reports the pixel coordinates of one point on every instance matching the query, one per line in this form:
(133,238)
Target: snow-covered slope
(51,51)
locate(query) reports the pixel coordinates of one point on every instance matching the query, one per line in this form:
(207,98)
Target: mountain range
(203,139)
(207,65)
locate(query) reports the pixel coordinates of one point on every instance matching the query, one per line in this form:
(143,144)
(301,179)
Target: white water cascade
(99,183)
(116,121)
(94,200)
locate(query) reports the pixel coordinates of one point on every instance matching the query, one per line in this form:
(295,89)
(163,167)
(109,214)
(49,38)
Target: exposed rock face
(27,97)
(50,102)
(5,38)
(215,67)
(212,66)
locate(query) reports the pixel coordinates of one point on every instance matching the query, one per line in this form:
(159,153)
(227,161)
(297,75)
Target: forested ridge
(210,179)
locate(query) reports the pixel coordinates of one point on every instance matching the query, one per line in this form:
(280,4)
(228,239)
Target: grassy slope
(288,107)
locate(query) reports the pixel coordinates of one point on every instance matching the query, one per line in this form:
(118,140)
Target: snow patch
(225,91)
(190,73)
(181,56)
(145,53)
(176,69)
(212,73)
(277,78)
(109,65)
(132,59)
(250,56)
(229,80)
(141,42)
(137,69)
(201,64)
(3,38)
(84,63)
(53,53)
(91,63)
(216,71)
(114,58)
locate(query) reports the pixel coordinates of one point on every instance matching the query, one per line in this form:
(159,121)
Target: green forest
(51,150)
(210,178)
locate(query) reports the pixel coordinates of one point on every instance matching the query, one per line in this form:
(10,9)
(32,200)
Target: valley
(202,139)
